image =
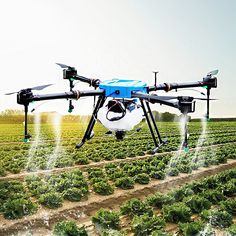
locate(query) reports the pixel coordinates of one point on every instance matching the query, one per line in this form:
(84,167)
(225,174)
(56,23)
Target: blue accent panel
(121,88)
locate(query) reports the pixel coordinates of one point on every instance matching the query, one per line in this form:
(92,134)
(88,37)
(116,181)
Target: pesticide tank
(120,114)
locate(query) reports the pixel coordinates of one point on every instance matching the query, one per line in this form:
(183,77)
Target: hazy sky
(183,39)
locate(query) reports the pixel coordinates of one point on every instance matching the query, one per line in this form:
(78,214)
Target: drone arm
(75,94)
(65,95)
(167,87)
(209,81)
(91,82)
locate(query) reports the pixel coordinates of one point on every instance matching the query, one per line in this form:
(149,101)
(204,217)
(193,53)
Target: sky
(105,39)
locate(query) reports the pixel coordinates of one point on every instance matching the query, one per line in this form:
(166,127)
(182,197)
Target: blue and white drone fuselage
(121,90)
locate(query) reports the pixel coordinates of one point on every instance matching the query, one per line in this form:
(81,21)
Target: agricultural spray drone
(121,103)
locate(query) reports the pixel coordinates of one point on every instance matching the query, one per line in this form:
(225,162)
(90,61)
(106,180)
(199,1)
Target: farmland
(111,187)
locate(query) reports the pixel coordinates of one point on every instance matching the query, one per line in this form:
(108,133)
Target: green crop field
(110,187)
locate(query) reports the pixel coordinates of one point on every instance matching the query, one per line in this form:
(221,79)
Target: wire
(177,90)
(123,110)
(38,106)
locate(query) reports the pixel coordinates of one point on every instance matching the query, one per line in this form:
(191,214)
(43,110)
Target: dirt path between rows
(22,175)
(82,211)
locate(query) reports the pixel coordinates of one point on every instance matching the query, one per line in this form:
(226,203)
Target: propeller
(63,66)
(41,87)
(181,97)
(214,72)
(205,99)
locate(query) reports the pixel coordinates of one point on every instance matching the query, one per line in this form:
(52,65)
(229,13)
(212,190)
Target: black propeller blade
(179,97)
(41,87)
(214,72)
(10,93)
(63,66)
(205,99)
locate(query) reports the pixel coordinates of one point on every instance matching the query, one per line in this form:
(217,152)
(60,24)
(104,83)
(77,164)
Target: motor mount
(24,96)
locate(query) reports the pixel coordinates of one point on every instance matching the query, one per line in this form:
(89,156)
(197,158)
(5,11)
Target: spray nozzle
(26,140)
(71,107)
(186,149)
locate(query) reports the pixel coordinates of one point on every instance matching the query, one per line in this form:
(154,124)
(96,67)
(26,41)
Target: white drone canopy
(123,119)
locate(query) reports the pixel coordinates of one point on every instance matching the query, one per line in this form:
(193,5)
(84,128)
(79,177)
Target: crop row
(22,198)
(14,132)
(17,158)
(197,208)
(125,175)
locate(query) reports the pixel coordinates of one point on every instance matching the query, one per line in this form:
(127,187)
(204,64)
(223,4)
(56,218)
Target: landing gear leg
(88,133)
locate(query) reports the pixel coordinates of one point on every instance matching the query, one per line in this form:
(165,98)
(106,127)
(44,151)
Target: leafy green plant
(184,168)
(159,174)
(158,200)
(40,188)
(82,161)
(221,159)
(172,171)
(97,179)
(180,193)
(125,182)
(142,178)
(145,224)
(229,205)
(115,173)
(64,162)
(232,230)
(17,208)
(2,171)
(120,155)
(136,207)
(214,196)
(217,217)
(68,228)
(106,219)
(211,183)
(178,212)
(74,194)
(197,203)
(51,200)
(229,188)
(190,228)
(103,188)
(95,172)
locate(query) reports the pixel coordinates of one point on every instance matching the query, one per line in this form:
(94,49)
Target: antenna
(155,73)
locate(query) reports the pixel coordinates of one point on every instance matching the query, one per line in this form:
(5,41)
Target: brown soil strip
(82,211)
(22,175)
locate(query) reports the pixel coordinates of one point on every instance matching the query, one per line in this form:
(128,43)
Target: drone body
(122,103)
(120,88)
(122,112)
